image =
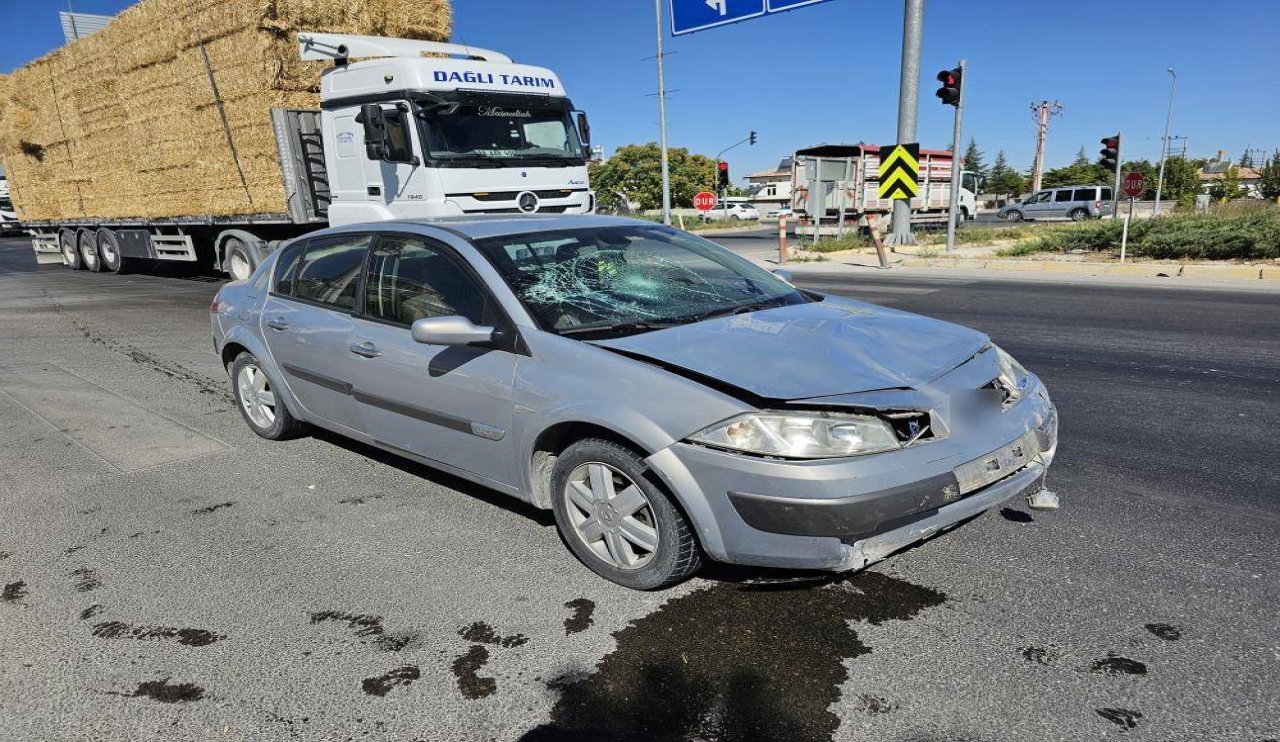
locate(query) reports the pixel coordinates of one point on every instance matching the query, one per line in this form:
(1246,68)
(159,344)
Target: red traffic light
(951,80)
(1111,142)
(724,166)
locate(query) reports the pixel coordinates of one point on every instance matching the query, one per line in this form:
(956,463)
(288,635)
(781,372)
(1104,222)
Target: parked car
(1076,203)
(734,211)
(667,399)
(774,214)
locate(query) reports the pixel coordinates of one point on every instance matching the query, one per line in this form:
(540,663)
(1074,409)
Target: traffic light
(723,178)
(951,81)
(1111,152)
(752,139)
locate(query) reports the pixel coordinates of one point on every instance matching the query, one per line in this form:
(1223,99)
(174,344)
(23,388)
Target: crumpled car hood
(836,346)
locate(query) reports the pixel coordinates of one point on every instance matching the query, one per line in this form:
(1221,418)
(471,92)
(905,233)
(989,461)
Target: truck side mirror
(584,130)
(374,121)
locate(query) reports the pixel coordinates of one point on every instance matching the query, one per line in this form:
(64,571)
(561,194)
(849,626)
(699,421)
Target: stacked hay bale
(166,111)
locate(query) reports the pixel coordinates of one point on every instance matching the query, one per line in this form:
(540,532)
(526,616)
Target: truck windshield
(496,132)
(626,279)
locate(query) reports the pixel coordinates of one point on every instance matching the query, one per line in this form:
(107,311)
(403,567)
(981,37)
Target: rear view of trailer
(832,180)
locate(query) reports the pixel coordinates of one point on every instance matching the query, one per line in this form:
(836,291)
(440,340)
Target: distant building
(771,189)
(1216,169)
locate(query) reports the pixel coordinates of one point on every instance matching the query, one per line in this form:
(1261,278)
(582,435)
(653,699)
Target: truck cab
(408,136)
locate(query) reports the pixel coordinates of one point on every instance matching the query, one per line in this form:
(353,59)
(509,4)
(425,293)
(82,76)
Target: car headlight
(800,435)
(1012,374)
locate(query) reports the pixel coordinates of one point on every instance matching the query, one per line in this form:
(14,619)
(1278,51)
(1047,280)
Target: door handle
(366,350)
(276,323)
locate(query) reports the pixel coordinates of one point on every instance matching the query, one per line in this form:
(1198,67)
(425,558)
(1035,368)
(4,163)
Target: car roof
(497,225)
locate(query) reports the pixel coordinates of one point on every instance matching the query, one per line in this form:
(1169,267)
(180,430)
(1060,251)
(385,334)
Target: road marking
(125,435)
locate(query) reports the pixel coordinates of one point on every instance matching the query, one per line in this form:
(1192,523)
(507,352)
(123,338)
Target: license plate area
(1000,463)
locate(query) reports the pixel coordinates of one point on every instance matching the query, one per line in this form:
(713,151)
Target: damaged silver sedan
(667,399)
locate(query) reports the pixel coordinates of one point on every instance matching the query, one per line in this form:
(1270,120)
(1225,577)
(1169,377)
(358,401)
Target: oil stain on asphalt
(1114,664)
(188,637)
(166,692)
(382,684)
(747,662)
(581,619)
(1164,631)
(14,592)
(1124,718)
(467,670)
(86,579)
(370,627)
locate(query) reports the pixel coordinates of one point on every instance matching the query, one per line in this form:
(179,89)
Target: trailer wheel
(88,245)
(70,250)
(109,251)
(239,261)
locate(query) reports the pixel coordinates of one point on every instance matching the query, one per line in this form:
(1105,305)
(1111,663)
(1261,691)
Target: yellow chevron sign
(900,172)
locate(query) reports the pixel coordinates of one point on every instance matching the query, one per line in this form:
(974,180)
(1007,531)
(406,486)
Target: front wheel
(259,403)
(617,521)
(1079,215)
(1013,216)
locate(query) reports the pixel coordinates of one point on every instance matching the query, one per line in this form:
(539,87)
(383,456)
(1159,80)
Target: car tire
(583,476)
(68,241)
(1013,216)
(1079,215)
(271,420)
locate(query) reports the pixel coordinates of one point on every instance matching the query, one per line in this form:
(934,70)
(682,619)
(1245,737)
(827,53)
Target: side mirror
(374,121)
(453,330)
(584,132)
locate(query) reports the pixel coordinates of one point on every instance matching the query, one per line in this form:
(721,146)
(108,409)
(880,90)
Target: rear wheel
(88,246)
(239,262)
(109,251)
(1079,215)
(258,401)
(70,249)
(617,521)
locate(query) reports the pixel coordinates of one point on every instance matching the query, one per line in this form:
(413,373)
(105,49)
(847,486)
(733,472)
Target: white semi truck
(8,217)
(834,180)
(400,135)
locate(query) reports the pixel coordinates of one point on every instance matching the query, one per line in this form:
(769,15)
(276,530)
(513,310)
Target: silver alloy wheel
(611,515)
(89,255)
(256,396)
(108,251)
(239,268)
(69,250)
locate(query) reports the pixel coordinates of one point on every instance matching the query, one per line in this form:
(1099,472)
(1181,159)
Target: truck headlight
(800,435)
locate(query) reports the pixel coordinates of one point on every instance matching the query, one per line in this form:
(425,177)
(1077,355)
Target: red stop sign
(705,201)
(1133,184)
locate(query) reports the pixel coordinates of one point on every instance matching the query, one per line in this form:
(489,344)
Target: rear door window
(325,271)
(1062,196)
(1086,194)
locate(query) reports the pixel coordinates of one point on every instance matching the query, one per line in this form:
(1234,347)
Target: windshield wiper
(622,328)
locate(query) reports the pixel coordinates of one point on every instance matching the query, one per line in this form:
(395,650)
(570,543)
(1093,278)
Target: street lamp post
(1164,147)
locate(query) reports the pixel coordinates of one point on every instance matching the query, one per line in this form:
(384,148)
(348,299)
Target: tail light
(215,305)
(1097,205)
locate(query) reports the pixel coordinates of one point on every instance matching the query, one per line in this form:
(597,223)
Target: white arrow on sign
(720,5)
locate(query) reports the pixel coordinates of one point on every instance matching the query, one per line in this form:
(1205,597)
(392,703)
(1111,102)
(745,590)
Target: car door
(1038,206)
(450,404)
(307,323)
(1063,202)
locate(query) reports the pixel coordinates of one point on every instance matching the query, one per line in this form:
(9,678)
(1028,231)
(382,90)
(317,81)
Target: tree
(634,175)
(1004,180)
(1181,180)
(1082,159)
(973,158)
(1270,177)
(1228,188)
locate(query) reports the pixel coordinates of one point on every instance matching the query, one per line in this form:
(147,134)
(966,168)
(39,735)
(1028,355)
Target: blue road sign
(688,16)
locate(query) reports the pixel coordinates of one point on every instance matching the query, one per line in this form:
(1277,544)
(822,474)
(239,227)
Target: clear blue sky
(829,72)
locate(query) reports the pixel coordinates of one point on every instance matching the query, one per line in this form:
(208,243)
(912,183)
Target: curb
(1188,270)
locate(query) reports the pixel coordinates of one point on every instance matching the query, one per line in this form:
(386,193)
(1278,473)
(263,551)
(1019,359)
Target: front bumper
(847,513)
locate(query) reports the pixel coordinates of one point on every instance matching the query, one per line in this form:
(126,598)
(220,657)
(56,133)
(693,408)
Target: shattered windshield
(619,280)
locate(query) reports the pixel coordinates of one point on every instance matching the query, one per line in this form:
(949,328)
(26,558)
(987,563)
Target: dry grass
(125,123)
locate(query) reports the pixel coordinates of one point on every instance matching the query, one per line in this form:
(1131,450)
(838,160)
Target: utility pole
(1164,148)
(908,99)
(662,122)
(1043,109)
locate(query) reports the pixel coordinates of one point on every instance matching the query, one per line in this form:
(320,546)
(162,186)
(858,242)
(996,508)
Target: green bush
(1249,232)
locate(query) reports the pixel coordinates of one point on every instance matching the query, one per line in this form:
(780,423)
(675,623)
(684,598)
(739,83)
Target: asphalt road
(224,587)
